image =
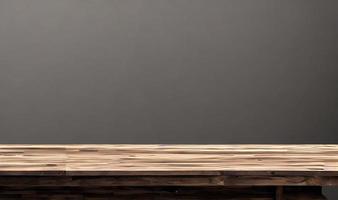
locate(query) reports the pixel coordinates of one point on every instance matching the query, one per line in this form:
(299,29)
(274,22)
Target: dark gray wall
(169,71)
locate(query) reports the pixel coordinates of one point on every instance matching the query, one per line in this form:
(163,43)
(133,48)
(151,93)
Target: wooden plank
(281,180)
(89,181)
(86,160)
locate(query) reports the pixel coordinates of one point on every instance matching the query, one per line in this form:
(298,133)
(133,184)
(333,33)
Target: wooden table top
(111,160)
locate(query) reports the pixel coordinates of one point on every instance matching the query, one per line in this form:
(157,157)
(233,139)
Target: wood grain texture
(108,160)
(167,172)
(203,181)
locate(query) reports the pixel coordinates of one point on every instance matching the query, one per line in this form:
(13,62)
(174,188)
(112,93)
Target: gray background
(169,71)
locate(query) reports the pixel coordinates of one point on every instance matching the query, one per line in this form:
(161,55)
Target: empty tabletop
(316,160)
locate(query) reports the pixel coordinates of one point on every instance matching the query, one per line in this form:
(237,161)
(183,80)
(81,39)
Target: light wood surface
(108,160)
(167,172)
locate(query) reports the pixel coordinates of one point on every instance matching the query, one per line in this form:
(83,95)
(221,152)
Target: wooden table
(167,172)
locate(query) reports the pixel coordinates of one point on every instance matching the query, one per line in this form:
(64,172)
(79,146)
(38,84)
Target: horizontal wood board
(169,160)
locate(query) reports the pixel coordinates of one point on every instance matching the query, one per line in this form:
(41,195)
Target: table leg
(279,193)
